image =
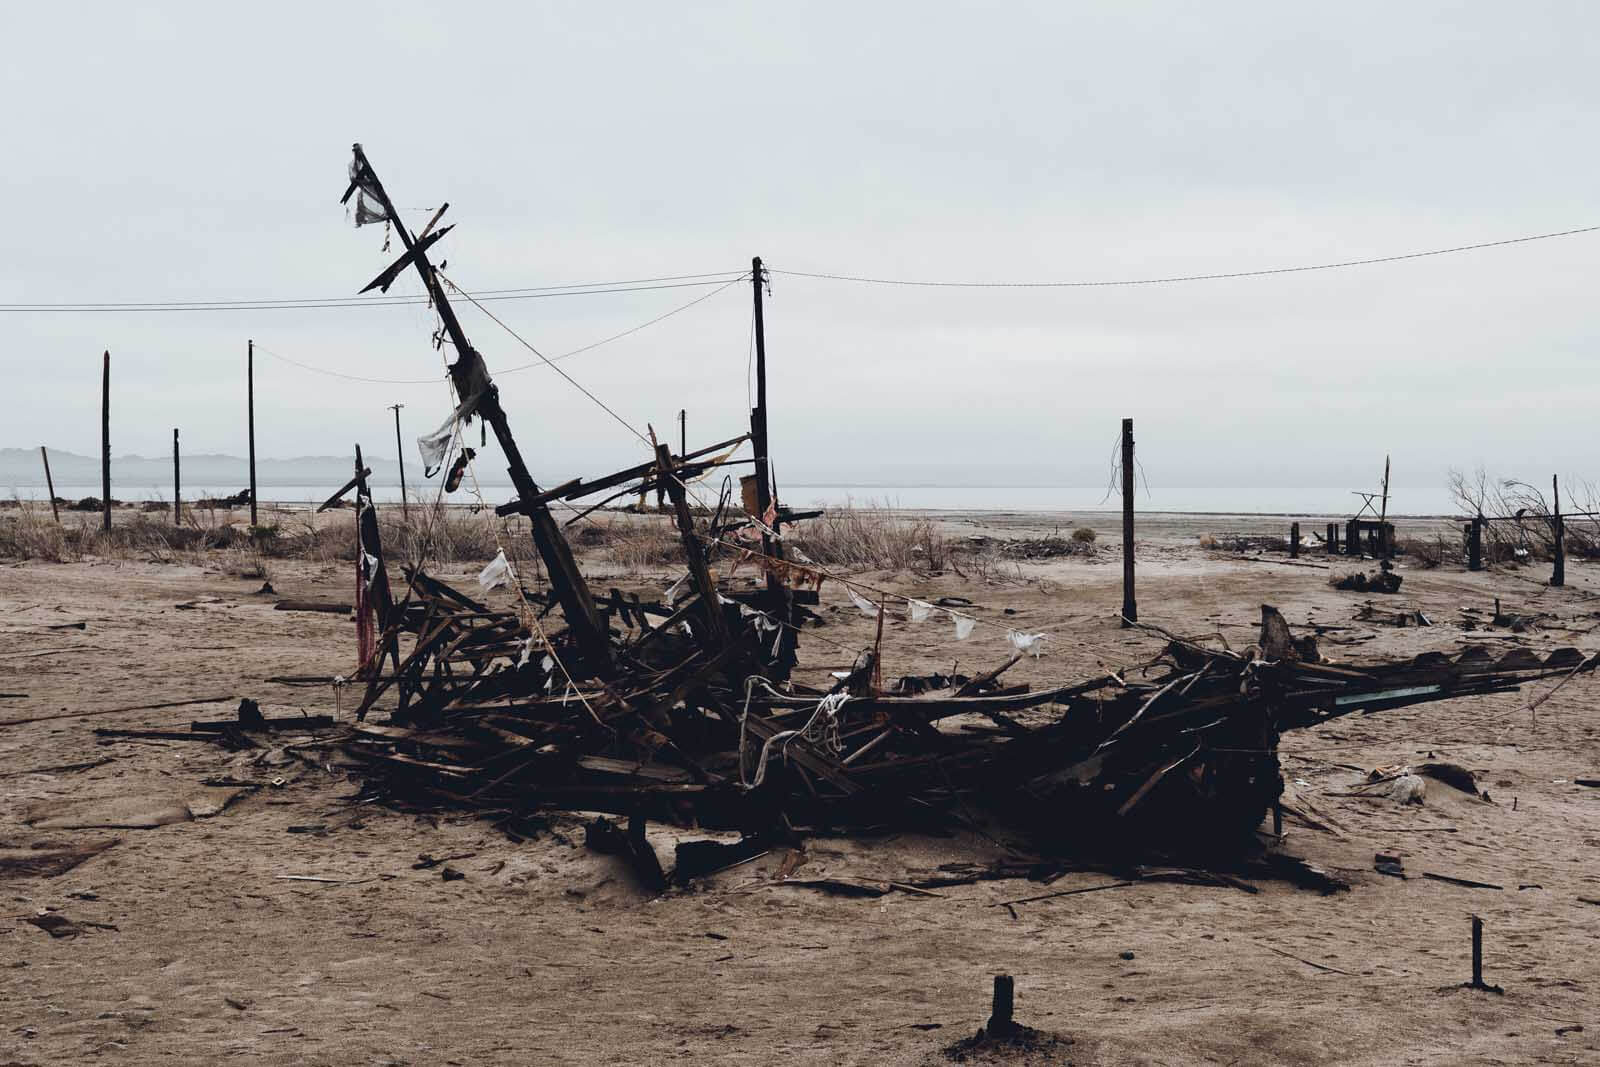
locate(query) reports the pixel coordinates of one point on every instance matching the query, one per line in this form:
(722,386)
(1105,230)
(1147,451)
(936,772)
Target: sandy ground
(212,947)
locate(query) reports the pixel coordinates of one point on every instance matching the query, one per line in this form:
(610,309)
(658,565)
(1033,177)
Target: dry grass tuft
(873,538)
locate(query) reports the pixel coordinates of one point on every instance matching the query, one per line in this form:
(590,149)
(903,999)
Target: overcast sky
(167,151)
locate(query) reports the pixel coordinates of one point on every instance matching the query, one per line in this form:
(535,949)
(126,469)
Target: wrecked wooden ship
(683,709)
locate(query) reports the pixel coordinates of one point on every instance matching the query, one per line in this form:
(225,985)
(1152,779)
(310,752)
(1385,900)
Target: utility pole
(758,416)
(1130,606)
(105,442)
(250,392)
(400,453)
(50,485)
(177,498)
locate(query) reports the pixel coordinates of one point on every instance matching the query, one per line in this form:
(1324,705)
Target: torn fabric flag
(865,606)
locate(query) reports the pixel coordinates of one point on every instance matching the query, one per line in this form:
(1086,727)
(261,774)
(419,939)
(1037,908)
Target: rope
(827,709)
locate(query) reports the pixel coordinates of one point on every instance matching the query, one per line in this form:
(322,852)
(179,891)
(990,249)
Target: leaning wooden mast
(479,395)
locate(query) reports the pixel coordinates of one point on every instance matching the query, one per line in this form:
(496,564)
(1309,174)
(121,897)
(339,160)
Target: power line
(634,285)
(1183,277)
(702,298)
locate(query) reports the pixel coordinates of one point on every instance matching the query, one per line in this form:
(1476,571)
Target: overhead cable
(1169,279)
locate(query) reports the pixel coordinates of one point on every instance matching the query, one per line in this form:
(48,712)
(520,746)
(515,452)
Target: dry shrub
(874,538)
(1084,534)
(33,534)
(634,544)
(1426,554)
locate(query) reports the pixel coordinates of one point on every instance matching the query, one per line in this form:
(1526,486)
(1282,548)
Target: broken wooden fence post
(250,404)
(1558,570)
(49,484)
(105,443)
(1333,539)
(1475,544)
(1130,606)
(400,457)
(1352,538)
(1004,1004)
(1294,540)
(177,488)
(1477,960)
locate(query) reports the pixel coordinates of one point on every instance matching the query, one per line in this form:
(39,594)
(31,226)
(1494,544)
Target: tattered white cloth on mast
(865,606)
(964,625)
(435,447)
(497,573)
(920,610)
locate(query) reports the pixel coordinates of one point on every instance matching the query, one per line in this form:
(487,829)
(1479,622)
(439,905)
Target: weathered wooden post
(105,443)
(1333,539)
(1294,540)
(1558,572)
(1352,538)
(49,484)
(400,455)
(1475,543)
(177,490)
(1002,1010)
(1130,605)
(250,394)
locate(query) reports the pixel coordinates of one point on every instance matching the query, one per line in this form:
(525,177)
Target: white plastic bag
(497,573)
(920,610)
(964,625)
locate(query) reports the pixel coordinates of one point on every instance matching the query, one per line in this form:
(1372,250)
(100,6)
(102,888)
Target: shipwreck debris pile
(684,709)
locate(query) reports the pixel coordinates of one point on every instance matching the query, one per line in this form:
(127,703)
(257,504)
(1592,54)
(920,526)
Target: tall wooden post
(1130,606)
(49,484)
(1333,539)
(105,443)
(250,395)
(177,489)
(1475,543)
(400,454)
(683,432)
(1294,540)
(1558,573)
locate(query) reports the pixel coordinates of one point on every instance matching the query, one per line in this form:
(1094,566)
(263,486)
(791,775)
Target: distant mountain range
(21,467)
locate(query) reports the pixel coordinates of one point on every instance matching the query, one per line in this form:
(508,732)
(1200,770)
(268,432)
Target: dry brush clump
(873,538)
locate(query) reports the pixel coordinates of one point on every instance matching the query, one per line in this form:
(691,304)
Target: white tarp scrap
(1022,642)
(497,573)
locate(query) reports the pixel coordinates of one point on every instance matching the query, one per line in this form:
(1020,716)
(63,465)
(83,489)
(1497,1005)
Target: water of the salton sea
(1235,501)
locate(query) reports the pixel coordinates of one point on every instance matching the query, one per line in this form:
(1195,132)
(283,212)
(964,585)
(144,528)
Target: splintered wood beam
(578,488)
(715,636)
